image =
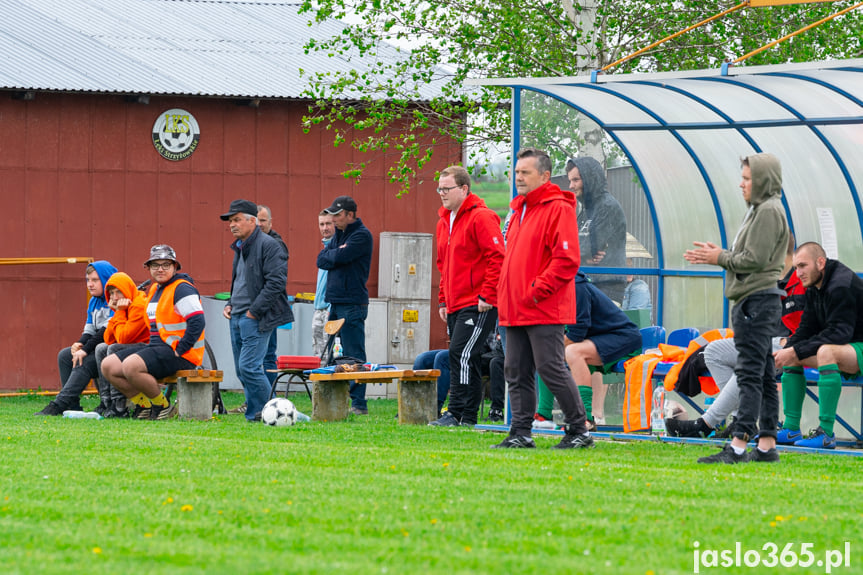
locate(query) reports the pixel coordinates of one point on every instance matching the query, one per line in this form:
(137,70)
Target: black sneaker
(158,412)
(725,431)
(769,456)
(495,415)
(112,413)
(141,412)
(575,441)
(727,455)
(50,409)
(516,442)
(687,428)
(446,420)
(101,409)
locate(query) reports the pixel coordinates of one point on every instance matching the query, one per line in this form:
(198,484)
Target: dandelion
(186,508)
(773,524)
(446,464)
(434,521)
(467,548)
(266,509)
(570,477)
(392,467)
(168,500)
(405,533)
(97,550)
(148,535)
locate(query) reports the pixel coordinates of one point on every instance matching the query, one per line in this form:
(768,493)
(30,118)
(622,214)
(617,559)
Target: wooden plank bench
(417,393)
(197,392)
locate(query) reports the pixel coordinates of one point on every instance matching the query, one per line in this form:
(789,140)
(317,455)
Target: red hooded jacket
(542,258)
(469,257)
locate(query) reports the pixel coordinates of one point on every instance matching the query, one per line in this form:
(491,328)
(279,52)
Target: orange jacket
(172,325)
(708,385)
(638,394)
(128,325)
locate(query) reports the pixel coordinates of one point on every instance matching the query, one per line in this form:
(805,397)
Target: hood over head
(593,179)
(124,283)
(766,177)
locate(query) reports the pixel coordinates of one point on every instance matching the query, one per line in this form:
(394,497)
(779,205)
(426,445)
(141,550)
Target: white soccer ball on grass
(279,412)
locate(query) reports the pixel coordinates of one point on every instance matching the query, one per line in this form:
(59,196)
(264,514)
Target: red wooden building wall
(79,176)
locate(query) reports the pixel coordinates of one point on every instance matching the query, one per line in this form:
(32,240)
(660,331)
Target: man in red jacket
(536,299)
(469,255)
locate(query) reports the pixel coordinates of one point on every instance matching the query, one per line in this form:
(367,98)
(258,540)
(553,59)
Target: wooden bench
(417,393)
(197,392)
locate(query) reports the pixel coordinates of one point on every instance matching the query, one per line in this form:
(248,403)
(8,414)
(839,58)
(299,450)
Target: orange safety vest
(638,394)
(171,325)
(708,385)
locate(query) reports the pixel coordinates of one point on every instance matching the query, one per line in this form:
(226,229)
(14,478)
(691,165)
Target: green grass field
(369,496)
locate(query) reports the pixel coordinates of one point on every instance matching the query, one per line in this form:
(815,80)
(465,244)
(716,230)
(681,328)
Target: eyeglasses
(166,266)
(446,190)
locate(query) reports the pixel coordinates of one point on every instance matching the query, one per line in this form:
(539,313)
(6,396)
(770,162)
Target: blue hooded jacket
(98,312)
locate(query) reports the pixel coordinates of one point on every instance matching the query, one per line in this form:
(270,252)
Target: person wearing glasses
(469,255)
(258,303)
(177,323)
(536,299)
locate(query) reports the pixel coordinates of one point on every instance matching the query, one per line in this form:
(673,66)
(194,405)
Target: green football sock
(545,404)
(793,393)
(586,393)
(829,390)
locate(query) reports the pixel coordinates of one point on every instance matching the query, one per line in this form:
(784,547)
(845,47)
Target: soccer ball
(279,412)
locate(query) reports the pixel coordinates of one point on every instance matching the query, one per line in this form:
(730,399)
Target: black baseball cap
(241,207)
(342,203)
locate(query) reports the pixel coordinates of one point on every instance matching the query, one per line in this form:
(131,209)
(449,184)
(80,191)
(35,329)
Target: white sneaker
(599,420)
(543,424)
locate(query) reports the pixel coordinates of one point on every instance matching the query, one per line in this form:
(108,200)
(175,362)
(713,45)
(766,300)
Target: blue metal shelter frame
(684,134)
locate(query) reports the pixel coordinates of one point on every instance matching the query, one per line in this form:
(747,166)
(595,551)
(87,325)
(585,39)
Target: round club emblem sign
(176,134)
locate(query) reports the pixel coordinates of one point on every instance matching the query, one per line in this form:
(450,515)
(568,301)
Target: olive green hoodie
(756,258)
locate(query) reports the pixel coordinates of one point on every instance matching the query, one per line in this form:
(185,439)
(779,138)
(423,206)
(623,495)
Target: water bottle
(81,414)
(337,348)
(657,414)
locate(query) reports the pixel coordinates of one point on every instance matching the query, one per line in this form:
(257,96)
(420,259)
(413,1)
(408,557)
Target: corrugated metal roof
(190,47)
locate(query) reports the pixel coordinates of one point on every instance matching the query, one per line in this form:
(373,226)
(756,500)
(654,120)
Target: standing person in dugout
(536,299)
(754,266)
(469,256)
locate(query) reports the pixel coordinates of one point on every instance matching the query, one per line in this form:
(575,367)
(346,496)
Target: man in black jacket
(348,258)
(259,302)
(829,338)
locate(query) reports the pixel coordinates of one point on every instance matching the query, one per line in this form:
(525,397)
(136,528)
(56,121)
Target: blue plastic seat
(652,336)
(681,337)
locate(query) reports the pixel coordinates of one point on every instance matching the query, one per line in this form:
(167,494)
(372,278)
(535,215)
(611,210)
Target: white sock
(738,450)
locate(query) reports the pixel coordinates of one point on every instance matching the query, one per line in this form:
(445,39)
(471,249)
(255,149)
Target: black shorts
(160,359)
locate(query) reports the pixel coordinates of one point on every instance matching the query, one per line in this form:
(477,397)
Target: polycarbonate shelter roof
(685,133)
(251,49)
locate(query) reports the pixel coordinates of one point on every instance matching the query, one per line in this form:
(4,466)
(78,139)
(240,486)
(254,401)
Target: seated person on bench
(176,338)
(830,337)
(129,328)
(77,363)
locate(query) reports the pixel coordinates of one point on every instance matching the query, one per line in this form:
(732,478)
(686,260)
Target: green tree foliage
(380,110)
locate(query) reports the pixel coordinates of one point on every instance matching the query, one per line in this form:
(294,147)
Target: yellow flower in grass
(186,508)
(97,550)
(168,500)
